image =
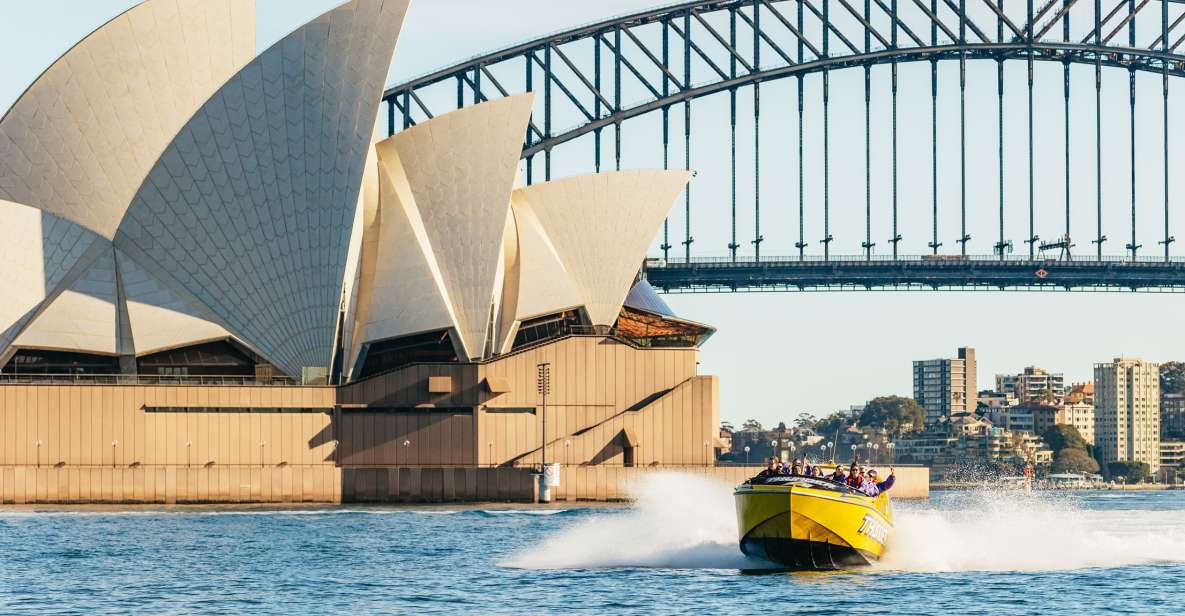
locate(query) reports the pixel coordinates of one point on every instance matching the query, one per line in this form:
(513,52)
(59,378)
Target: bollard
(548,479)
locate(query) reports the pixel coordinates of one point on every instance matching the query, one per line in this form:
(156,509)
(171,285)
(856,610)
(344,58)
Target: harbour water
(672,551)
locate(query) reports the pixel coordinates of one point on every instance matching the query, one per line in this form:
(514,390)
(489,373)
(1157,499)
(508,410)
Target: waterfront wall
(426,433)
(609,401)
(246,444)
(422,484)
(328,484)
(578,483)
(164,426)
(166,444)
(159,484)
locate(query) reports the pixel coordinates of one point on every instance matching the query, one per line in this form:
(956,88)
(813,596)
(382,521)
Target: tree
(752,425)
(1074,460)
(781,426)
(1172,377)
(727,427)
(1134,472)
(1064,436)
(827,426)
(805,420)
(893,413)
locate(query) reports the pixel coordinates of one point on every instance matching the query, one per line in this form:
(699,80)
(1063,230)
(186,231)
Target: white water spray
(677,520)
(990,530)
(689,521)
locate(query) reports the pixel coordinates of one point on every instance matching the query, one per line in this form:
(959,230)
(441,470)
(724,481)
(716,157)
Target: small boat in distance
(804,523)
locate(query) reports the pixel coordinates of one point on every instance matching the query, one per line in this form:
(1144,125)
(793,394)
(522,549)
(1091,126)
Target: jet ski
(804,523)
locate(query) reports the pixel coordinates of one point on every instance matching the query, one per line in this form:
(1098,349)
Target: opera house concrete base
(425,432)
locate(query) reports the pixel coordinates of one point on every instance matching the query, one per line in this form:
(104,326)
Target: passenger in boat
(871,487)
(772,469)
(838,476)
(796,469)
(818,474)
(855,477)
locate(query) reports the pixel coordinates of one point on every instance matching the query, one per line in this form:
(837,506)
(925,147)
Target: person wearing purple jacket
(871,487)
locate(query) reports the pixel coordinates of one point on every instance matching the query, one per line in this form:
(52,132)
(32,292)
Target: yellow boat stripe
(812,493)
(848,502)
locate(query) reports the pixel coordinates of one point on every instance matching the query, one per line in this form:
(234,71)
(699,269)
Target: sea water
(673,550)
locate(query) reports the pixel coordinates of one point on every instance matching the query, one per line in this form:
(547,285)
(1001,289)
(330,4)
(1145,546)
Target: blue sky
(780,354)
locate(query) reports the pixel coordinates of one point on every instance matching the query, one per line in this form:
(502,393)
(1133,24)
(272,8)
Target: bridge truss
(954,272)
(673,56)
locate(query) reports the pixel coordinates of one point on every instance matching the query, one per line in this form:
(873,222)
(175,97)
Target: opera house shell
(175,205)
(221,286)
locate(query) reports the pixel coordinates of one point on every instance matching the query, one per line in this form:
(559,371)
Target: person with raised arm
(872,487)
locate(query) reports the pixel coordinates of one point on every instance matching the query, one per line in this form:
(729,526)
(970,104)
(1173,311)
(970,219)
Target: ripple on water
(672,551)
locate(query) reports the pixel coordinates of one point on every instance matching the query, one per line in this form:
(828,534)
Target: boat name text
(874,529)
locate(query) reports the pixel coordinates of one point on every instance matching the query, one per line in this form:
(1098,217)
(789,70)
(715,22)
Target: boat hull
(803,526)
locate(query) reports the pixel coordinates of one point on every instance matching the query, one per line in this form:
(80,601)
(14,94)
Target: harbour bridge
(666,61)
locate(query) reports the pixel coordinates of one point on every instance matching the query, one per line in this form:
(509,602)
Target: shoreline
(1137,487)
(301,507)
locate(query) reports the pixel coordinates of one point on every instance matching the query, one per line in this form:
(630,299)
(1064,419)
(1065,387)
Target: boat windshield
(808,482)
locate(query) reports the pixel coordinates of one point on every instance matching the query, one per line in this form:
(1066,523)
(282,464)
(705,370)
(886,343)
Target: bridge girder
(677,54)
(1061,53)
(856,274)
(1034,38)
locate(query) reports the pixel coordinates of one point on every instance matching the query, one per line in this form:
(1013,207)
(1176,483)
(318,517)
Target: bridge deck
(857,274)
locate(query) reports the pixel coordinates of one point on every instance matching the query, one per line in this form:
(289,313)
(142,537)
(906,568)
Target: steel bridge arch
(1160,56)
(811,40)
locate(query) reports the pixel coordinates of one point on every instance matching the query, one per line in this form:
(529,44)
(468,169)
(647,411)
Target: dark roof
(643,297)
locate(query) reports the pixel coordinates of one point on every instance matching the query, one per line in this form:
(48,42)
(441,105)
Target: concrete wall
(600,387)
(437,485)
(675,429)
(605,395)
(170,484)
(578,483)
(100,444)
(408,389)
(614,411)
(407,438)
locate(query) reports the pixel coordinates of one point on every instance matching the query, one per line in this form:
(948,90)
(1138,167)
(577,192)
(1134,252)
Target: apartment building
(1081,416)
(1127,411)
(946,386)
(1172,416)
(1033,385)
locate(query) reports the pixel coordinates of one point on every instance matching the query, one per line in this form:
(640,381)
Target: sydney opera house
(221,285)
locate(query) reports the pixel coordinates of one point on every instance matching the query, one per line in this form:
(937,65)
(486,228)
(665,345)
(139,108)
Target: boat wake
(677,521)
(990,530)
(687,521)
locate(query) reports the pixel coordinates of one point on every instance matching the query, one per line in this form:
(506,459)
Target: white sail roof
(81,318)
(159,316)
(183,193)
(401,288)
(544,284)
(43,256)
(80,141)
(250,206)
(601,226)
(460,171)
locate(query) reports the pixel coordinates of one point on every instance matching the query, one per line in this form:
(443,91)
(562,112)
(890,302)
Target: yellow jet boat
(811,524)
